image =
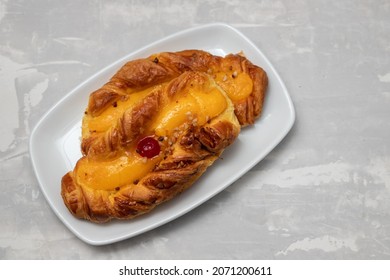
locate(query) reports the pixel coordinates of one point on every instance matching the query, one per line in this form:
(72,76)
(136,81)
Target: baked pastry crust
(112,180)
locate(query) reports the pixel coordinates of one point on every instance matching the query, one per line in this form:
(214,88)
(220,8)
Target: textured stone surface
(323,193)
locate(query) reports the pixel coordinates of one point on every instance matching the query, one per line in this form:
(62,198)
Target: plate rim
(289,124)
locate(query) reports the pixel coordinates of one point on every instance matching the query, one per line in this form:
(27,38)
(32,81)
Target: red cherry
(148,147)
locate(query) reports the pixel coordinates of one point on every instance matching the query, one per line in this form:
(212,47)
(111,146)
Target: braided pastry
(155,127)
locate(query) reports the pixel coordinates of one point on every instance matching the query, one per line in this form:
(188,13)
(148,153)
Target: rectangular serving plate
(55,140)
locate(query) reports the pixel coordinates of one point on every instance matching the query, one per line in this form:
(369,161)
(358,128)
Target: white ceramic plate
(55,144)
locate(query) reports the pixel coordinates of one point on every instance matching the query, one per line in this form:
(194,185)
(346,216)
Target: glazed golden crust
(129,107)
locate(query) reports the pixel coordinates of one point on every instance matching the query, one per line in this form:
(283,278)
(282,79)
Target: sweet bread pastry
(174,137)
(154,128)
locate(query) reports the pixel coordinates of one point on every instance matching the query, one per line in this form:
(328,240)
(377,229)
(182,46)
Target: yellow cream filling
(108,175)
(111,115)
(238,86)
(196,106)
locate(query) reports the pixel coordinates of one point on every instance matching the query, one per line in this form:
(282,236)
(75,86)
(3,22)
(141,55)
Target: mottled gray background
(323,193)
